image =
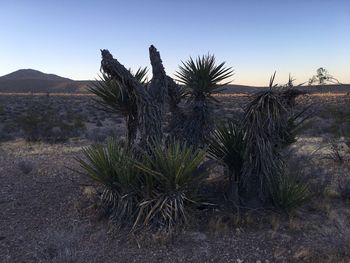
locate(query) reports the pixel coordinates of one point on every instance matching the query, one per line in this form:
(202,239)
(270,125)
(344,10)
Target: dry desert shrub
(42,122)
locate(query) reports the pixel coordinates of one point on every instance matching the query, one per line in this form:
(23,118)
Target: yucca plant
(113,166)
(226,145)
(270,124)
(288,191)
(171,180)
(113,96)
(264,121)
(295,122)
(202,78)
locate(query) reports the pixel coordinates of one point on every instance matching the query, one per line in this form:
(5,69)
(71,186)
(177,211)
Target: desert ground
(48,210)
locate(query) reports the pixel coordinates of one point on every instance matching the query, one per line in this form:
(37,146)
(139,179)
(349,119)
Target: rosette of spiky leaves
(226,145)
(288,191)
(203,77)
(171,177)
(112,166)
(112,96)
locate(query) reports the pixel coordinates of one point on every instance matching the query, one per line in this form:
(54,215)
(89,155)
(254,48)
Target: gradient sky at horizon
(255,38)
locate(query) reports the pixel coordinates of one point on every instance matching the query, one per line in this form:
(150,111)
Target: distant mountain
(30,80)
(26,74)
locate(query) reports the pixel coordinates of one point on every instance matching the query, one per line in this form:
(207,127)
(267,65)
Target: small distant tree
(323,77)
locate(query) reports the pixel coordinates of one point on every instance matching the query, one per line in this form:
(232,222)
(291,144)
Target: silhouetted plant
(202,78)
(226,145)
(270,125)
(152,189)
(113,96)
(171,181)
(322,77)
(295,123)
(264,122)
(113,166)
(288,191)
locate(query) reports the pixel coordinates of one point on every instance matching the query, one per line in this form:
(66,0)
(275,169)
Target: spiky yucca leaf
(295,122)
(265,120)
(172,178)
(141,75)
(113,167)
(110,164)
(227,145)
(288,191)
(112,96)
(203,77)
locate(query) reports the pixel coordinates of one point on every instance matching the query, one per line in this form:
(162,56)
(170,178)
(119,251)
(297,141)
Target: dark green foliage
(227,145)
(172,179)
(113,96)
(166,176)
(295,123)
(265,120)
(141,76)
(113,167)
(288,191)
(154,189)
(270,124)
(203,77)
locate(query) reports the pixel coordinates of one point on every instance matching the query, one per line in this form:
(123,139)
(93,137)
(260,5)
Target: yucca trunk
(233,190)
(132,124)
(199,122)
(150,102)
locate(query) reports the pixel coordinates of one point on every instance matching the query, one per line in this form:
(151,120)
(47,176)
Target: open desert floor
(48,211)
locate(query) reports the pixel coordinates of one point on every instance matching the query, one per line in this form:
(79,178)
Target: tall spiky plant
(113,96)
(202,78)
(270,125)
(264,121)
(226,145)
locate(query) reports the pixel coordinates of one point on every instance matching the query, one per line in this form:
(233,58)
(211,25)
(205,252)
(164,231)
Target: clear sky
(255,38)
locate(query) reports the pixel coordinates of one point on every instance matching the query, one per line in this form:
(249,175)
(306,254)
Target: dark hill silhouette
(30,80)
(27,74)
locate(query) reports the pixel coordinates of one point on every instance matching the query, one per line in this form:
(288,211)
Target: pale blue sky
(254,37)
